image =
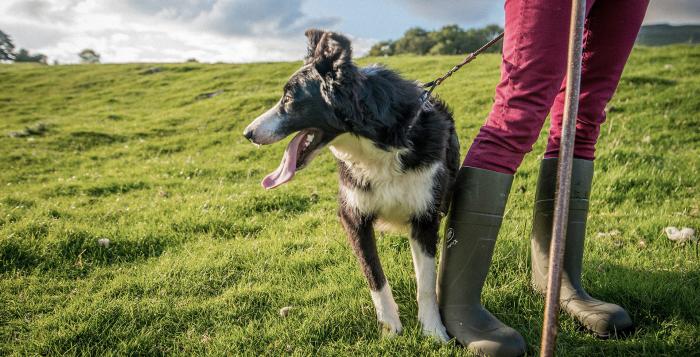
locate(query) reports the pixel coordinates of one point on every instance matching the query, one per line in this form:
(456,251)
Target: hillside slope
(659,35)
(201,258)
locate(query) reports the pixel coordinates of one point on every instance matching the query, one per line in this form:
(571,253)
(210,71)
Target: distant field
(201,258)
(659,35)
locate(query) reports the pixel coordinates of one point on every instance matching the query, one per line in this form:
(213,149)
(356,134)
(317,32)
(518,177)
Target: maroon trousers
(533,78)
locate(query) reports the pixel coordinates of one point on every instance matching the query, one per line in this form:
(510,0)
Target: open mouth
(299,152)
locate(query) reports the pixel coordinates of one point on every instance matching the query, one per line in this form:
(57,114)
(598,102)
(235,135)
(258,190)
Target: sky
(243,30)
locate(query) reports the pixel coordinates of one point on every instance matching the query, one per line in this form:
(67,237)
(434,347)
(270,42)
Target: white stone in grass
(285,311)
(205,338)
(612,233)
(103,242)
(681,235)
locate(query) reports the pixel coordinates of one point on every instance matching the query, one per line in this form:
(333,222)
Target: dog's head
(312,104)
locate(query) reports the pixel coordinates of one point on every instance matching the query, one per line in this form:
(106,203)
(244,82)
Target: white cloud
(474,12)
(239,30)
(673,12)
(162,31)
(234,17)
(479,12)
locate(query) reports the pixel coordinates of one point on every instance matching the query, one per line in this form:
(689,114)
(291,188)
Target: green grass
(202,258)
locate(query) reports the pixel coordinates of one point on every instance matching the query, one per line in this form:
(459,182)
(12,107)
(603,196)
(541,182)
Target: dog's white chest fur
(393,197)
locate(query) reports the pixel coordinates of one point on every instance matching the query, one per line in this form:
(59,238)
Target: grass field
(202,259)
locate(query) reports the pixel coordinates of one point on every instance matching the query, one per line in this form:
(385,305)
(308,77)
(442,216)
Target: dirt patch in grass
(38,129)
(86,140)
(76,252)
(648,80)
(17,202)
(115,188)
(218,228)
(287,205)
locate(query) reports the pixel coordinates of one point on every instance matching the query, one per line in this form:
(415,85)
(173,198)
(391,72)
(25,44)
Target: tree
(24,56)
(485,34)
(415,40)
(7,48)
(89,55)
(449,40)
(383,48)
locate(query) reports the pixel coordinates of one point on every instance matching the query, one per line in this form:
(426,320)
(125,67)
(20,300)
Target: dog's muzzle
(266,129)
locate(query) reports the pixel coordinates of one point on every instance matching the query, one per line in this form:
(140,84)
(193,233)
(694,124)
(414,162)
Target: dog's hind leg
(360,234)
(424,239)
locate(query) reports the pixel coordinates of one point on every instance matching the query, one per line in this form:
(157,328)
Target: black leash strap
(434,83)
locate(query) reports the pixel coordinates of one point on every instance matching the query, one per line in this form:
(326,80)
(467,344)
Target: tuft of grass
(201,259)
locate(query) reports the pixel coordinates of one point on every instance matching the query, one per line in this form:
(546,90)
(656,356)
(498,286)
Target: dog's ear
(314,37)
(329,52)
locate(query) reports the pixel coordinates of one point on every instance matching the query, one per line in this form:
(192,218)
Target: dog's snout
(248,134)
(266,128)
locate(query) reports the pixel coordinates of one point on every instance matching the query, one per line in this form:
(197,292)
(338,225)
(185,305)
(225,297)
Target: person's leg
(533,67)
(472,226)
(608,41)
(534,62)
(611,29)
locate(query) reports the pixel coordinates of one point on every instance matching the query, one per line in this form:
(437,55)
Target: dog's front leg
(360,232)
(424,239)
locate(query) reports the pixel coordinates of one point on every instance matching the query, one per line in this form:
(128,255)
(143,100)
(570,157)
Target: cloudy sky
(242,30)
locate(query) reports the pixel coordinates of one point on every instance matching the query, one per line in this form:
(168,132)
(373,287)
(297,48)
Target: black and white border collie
(397,157)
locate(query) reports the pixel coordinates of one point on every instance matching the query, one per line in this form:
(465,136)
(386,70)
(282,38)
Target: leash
(436,82)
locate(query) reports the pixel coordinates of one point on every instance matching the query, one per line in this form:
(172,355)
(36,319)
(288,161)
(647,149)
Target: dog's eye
(287,98)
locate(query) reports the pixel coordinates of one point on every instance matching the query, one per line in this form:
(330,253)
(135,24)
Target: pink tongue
(288,166)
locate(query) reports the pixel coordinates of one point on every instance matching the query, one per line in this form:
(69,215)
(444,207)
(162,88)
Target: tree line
(8,53)
(449,40)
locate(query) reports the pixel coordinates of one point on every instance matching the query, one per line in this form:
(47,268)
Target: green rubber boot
(475,217)
(603,318)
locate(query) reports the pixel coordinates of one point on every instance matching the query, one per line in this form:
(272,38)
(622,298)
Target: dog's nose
(248,134)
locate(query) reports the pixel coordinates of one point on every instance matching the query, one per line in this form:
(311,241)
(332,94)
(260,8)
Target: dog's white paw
(433,327)
(437,331)
(390,325)
(387,311)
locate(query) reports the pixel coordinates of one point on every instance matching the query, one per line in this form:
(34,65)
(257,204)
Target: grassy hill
(659,35)
(201,258)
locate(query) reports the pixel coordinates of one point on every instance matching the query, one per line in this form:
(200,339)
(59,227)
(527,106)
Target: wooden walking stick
(566,154)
